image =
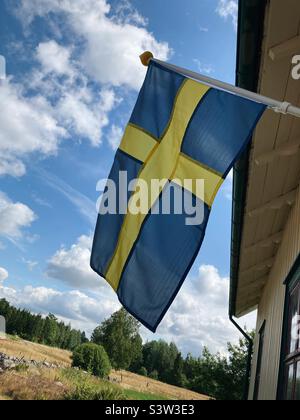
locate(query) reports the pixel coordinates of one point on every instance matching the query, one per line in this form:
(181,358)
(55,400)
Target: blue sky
(73,75)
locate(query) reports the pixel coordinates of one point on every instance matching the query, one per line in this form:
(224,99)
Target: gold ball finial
(146,57)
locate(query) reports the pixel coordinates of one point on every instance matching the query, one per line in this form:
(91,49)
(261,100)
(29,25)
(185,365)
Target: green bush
(143,371)
(93,359)
(86,392)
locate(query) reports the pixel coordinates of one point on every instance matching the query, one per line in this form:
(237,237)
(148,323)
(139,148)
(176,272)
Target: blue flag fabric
(180,129)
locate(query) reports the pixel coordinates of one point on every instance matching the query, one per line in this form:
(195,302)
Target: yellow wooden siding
(271,308)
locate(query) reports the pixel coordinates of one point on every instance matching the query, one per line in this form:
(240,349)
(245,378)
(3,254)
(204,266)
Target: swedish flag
(180,129)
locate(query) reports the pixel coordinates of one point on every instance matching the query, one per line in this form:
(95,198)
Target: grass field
(131,381)
(67,383)
(32,351)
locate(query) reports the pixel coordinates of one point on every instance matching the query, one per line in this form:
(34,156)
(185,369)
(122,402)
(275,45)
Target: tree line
(35,328)
(210,374)
(217,376)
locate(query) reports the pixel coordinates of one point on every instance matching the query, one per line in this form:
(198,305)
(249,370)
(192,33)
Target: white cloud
(197,318)
(54,58)
(199,315)
(210,284)
(228,9)
(12,166)
(124,12)
(81,310)
(14,217)
(3,275)
(72,266)
(115,136)
(81,110)
(27,126)
(116,61)
(112,42)
(59,98)
(86,117)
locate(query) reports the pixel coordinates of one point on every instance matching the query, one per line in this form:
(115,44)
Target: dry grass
(126,380)
(33,351)
(139,383)
(24,386)
(56,384)
(4,398)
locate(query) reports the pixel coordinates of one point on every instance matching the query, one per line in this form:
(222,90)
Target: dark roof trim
(250,35)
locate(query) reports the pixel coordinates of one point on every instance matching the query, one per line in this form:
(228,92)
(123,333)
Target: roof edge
(251,20)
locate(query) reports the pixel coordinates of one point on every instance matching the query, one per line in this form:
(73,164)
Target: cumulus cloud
(27,126)
(3,275)
(113,39)
(228,9)
(14,217)
(54,58)
(197,318)
(80,109)
(83,311)
(86,117)
(199,315)
(70,91)
(56,110)
(211,285)
(72,266)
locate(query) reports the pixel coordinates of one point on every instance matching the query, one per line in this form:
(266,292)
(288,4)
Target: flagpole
(277,106)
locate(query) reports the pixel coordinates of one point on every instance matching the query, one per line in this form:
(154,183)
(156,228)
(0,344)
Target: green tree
(92,358)
(137,354)
(119,335)
(221,377)
(191,366)
(83,338)
(210,375)
(50,330)
(38,329)
(160,356)
(178,377)
(143,371)
(238,356)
